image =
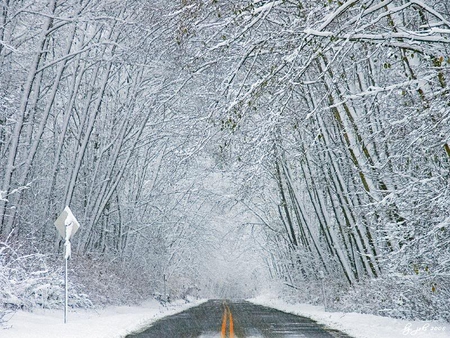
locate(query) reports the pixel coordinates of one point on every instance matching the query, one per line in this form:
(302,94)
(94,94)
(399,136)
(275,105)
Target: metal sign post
(66,289)
(67,225)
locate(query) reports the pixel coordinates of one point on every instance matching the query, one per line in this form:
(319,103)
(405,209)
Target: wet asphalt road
(235,319)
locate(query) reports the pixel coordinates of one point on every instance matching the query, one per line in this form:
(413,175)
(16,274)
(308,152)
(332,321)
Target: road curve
(235,319)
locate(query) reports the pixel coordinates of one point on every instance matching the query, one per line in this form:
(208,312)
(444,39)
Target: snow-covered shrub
(30,280)
(34,280)
(110,282)
(323,289)
(400,296)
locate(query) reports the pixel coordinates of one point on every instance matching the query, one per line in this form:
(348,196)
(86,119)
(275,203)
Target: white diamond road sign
(67,220)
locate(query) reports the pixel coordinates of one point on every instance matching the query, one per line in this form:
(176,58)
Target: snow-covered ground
(361,325)
(116,322)
(111,322)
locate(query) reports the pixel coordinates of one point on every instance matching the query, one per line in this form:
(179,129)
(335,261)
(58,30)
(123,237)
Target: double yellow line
(227,317)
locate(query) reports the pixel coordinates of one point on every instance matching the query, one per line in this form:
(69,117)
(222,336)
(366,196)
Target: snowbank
(111,322)
(361,325)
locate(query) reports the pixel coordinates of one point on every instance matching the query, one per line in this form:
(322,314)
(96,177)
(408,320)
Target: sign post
(67,225)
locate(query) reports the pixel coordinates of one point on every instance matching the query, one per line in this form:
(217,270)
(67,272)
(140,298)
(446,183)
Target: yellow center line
(224,324)
(227,316)
(231,325)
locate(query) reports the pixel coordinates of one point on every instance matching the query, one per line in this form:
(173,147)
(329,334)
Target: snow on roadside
(361,325)
(111,322)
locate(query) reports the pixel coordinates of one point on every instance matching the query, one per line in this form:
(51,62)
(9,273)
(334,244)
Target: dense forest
(314,136)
